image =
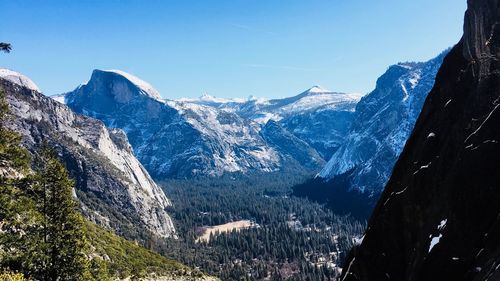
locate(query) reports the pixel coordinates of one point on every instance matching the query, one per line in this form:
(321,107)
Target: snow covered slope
(317,116)
(383,122)
(144,87)
(291,148)
(114,188)
(211,136)
(263,110)
(180,138)
(18,78)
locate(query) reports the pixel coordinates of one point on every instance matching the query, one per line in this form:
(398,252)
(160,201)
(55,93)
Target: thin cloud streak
(282,67)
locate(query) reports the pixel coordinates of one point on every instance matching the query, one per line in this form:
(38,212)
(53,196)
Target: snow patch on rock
(19,79)
(141,84)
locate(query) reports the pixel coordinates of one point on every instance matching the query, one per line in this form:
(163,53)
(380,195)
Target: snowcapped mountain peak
(210,135)
(317,90)
(18,78)
(206,96)
(142,85)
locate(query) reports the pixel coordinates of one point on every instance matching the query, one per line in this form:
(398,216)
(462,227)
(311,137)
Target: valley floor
(224,228)
(279,237)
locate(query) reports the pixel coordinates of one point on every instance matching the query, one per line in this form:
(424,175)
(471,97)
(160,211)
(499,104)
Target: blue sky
(226,48)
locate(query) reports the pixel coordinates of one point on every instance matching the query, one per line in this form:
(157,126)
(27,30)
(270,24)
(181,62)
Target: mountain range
(317,116)
(115,117)
(422,148)
(210,136)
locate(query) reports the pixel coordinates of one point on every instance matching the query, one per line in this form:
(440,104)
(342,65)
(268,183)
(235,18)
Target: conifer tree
(12,156)
(17,212)
(41,232)
(62,227)
(5,47)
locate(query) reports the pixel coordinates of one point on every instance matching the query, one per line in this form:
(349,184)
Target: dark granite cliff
(439,215)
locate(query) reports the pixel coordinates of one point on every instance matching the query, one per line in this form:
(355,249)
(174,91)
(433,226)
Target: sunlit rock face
(113,187)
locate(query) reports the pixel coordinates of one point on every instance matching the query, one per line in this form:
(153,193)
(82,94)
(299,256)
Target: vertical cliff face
(114,188)
(382,123)
(481,30)
(439,216)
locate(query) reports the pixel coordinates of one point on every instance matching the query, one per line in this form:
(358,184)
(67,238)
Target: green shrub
(9,276)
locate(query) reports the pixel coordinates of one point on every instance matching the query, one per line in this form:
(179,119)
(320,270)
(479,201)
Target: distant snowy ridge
(262,110)
(318,98)
(318,116)
(209,99)
(176,138)
(213,136)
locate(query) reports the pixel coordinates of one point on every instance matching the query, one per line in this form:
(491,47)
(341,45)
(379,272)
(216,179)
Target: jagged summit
(318,90)
(18,78)
(206,96)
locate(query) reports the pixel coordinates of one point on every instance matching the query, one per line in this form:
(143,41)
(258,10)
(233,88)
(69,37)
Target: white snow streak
(434,242)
